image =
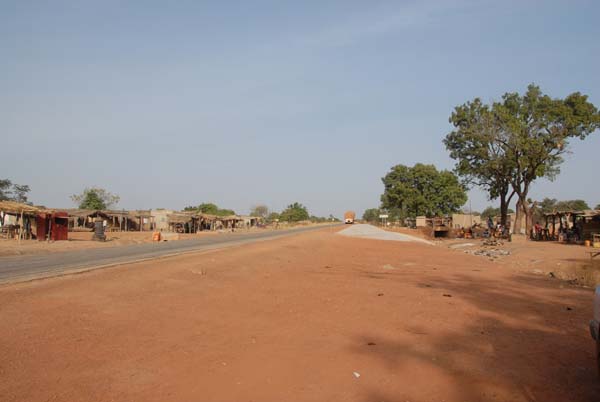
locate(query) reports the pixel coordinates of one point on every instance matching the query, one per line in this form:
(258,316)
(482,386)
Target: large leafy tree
(481,159)
(294,213)
(371,215)
(95,198)
(535,134)
(422,190)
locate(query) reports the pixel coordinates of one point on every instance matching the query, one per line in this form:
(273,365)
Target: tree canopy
(517,140)
(571,205)
(550,205)
(273,217)
(294,213)
(95,198)
(260,211)
(480,158)
(371,215)
(210,209)
(422,190)
(10,191)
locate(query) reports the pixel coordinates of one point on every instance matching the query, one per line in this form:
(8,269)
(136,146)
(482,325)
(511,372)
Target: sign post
(383,218)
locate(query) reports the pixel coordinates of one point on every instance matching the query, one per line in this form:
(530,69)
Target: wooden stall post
(21,229)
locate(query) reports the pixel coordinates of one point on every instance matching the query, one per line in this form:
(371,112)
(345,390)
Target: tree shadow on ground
(528,342)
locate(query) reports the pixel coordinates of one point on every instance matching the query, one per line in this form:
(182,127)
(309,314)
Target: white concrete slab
(372,232)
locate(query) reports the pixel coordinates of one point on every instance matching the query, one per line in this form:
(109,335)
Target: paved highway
(21,268)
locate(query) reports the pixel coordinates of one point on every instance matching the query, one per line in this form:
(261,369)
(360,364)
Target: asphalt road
(22,268)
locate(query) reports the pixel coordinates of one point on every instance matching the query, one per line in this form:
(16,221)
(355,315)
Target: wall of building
(421,221)
(160,219)
(465,220)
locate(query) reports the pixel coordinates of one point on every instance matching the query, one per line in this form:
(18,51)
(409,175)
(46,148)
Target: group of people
(497,230)
(539,233)
(569,234)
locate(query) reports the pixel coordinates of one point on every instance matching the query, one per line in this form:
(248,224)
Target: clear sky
(170,104)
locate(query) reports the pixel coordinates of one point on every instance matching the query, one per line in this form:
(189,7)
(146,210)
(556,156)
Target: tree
(535,133)
(371,215)
(210,209)
(294,213)
(92,201)
(481,159)
(597,206)
(20,192)
(213,209)
(5,186)
(261,211)
(572,205)
(273,217)
(95,198)
(10,191)
(551,205)
(422,190)
(547,205)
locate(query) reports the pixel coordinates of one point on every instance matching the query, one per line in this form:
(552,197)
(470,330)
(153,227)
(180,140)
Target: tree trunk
(523,210)
(503,209)
(504,203)
(528,216)
(518,218)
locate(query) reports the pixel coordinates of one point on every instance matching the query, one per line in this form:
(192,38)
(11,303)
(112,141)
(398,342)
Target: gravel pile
(492,253)
(371,232)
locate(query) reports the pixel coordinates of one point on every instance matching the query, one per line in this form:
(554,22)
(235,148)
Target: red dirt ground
(292,320)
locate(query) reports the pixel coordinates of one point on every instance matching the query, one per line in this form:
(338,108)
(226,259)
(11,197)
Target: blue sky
(170,104)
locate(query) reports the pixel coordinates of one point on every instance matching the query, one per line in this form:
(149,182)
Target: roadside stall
(52,225)
(16,220)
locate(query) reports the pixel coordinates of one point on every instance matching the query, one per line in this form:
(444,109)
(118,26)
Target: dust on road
(312,317)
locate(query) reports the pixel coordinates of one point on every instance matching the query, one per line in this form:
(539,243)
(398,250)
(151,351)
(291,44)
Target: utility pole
(470,213)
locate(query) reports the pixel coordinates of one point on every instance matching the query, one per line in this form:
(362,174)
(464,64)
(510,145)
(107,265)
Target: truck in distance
(349,217)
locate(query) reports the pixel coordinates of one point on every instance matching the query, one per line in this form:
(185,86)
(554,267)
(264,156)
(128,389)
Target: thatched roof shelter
(229,218)
(140,213)
(120,219)
(588,213)
(207,217)
(84,213)
(15,208)
(181,217)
